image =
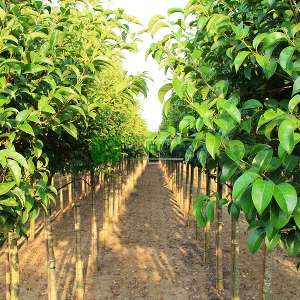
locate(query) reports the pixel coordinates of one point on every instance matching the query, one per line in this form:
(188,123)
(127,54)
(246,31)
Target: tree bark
(52,290)
(235,271)
(219,252)
(207,226)
(13,258)
(94,229)
(79,284)
(267,271)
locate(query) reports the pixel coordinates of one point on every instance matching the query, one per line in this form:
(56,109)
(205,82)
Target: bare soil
(150,254)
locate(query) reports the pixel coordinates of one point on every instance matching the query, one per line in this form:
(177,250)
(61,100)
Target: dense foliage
(234,66)
(62,89)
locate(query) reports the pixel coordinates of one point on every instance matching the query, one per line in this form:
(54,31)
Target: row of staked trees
(231,108)
(66,104)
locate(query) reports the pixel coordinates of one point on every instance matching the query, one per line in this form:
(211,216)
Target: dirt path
(150,254)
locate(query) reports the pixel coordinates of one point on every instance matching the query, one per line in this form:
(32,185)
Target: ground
(150,254)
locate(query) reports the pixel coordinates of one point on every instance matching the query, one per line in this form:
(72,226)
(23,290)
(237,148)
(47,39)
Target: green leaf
(285,58)
(242,183)
(178,86)
(210,210)
(273,38)
(163,91)
(188,122)
(296,86)
(262,193)
(235,150)
(15,169)
(286,197)
(278,218)
(5,187)
(9,202)
(212,143)
(202,158)
(240,58)
(294,102)
(43,105)
(199,124)
(158,26)
(286,134)
(175,142)
(71,129)
(268,116)
(255,239)
(297,214)
(258,39)
(27,128)
(262,160)
(269,65)
(252,104)
(230,108)
(271,244)
(228,170)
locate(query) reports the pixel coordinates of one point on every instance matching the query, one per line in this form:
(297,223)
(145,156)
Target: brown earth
(150,254)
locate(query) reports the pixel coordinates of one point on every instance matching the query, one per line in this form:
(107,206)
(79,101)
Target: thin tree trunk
(235,271)
(105,210)
(198,193)
(14,288)
(52,290)
(267,271)
(186,194)
(70,196)
(190,196)
(61,195)
(207,226)
(219,252)
(94,229)
(79,285)
(7,271)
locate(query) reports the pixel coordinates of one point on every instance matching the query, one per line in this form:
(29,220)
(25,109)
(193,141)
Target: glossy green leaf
(262,160)
(240,58)
(286,134)
(5,187)
(262,193)
(294,102)
(210,211)
(15,169)
(242,183)
(296,86)
(255,239)
(286,197)
(26,127)
(228,170)
(163,91)
(71,129)
(212,143)
(230,108)
(235,150)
